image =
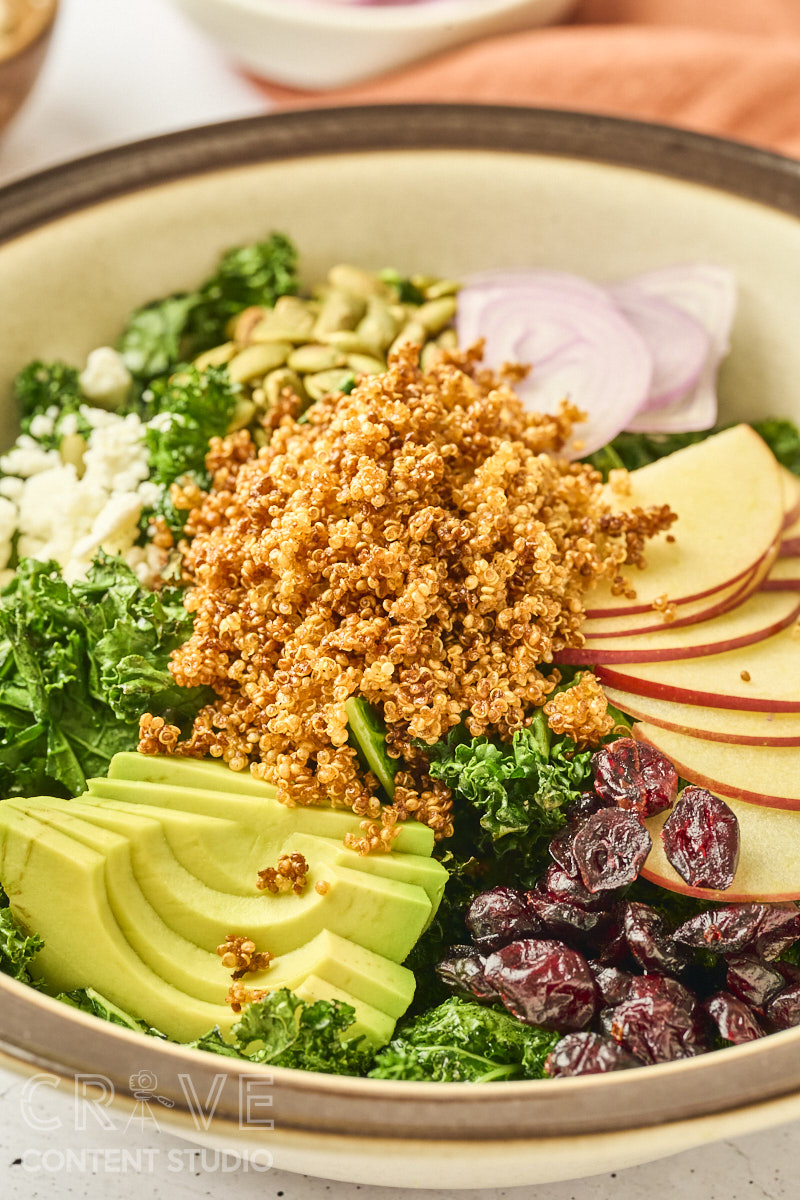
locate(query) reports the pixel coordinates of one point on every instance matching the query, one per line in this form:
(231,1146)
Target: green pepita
(277,382)
(338,310)
(243,414)
(366,364)
(355,280)
(257,360)
(379,327)
(291,320)
(314,357)
(218,356)
(72,448)
(326,382)
(412,332)
(436,314)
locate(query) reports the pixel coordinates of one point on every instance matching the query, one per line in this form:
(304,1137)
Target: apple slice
(769,863)
(729,482)
(784,576)
(790,483)
(762,677)
(730,770)
(762,615)
(714,724)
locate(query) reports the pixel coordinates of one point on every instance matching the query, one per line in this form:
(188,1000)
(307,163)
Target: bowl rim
(38,1031)
(395,16)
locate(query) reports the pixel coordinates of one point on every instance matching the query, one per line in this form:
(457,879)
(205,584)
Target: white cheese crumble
(67,512)
(105,379)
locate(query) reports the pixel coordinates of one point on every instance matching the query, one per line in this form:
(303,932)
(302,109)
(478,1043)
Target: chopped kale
(190,408)
(461,1041)
(42,386)
(79,664)
(161,335)
(17,947)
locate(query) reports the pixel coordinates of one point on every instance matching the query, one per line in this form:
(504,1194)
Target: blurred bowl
(318,45)
(25,29)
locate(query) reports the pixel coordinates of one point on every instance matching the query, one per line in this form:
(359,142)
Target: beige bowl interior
(448,190)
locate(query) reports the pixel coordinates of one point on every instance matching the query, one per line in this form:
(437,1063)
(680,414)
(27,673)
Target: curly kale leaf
(79,664)
(783,439)
(167,332)
(190,408)
(42,386)
(519,790)
(17,947)
(285,1031)
(461,1041)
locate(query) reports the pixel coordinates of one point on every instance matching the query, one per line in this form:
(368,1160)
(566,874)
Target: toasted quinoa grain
(420,542)
(580,712)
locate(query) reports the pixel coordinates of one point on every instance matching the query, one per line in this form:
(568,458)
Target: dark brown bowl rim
(44,1034)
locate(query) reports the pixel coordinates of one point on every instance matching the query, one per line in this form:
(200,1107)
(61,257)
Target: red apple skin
(790,548)
(664,691)
(598,654)
(716,609)
(627,704)
(623,610)
(724,789)
(731,896)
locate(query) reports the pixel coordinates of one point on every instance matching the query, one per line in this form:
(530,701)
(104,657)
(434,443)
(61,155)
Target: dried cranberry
(753,981)
(610,849)
(543,983)
(650,942)
(499,916)
(636,776)
(561,850)
(586,804)
(701,839)
(559,884)
(659,1024)
(587,1054)
(765,930)
(565,920)
(783,1011)
(608,945)
(733,1018)
(462,971)
(613,984)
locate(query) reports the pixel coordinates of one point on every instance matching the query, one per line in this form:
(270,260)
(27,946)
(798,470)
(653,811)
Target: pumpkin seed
(338,310)
(366,364)
(243,414)
(430,353)
(348,341)
(412,332)
(325,382)
(71,449)
(436,314)
(379,327)
(448,339)
(257,360)
(289,321)
(242,325)
(314,358)
(355,280)
(442,287)
(216,357)
(277,381)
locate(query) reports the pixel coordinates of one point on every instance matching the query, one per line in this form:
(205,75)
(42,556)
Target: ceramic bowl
(434,189)
(25,29)
(322,44)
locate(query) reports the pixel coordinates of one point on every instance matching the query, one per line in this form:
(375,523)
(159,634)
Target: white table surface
(119,70)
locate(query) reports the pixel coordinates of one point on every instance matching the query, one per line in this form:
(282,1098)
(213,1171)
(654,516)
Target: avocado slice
(177,783)
(85,945)
(199,842)
(369,733)
(385,916)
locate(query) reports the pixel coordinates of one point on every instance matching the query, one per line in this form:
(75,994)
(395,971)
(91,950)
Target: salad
(366,706)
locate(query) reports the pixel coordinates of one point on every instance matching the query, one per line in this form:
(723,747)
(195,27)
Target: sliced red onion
(706,293)
(677,341)
(581,346)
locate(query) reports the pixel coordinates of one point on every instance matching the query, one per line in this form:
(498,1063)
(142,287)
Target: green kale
(79,664)
(634,450)
(783,439)
(519,791)
(285,1031)
(190,408)
(461,1041)
(17,947)
(41,386)
(161,335)
(90,1001)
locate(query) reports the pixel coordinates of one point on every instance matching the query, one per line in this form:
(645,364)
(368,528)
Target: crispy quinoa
(421,543)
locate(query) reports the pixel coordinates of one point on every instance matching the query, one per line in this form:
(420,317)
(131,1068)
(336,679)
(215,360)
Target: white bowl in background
(318,45)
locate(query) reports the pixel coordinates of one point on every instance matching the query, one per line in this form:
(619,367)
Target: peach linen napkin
(729,67)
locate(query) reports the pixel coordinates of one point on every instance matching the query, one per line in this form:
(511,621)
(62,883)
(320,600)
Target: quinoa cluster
(421,543)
